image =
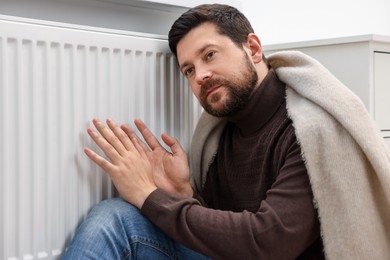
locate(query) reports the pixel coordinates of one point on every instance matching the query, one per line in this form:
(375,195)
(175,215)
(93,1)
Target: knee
(109,213)
(114,218)
(112,209)
(104,226)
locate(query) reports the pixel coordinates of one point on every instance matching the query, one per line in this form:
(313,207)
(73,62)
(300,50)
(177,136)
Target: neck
(262,71)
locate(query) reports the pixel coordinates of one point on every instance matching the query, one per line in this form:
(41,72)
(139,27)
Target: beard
(239,91)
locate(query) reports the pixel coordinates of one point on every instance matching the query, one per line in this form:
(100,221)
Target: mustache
(210,84)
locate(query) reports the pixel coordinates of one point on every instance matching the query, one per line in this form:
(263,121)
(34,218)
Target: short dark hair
(229,21)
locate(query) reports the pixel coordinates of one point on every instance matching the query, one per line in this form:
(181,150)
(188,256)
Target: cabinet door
(382,90)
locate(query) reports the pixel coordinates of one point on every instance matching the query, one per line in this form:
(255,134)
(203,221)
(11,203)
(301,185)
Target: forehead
(199,37)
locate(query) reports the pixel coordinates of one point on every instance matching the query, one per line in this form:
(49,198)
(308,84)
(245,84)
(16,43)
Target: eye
(187,72)
(210,55)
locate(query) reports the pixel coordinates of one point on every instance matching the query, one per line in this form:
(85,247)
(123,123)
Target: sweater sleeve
(285,224)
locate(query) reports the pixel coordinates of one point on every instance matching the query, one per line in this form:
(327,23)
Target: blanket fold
(347,160)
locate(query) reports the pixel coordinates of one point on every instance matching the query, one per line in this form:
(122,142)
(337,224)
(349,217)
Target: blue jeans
(114,229)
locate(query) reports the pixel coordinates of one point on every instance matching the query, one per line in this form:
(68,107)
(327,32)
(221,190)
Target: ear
(254,47)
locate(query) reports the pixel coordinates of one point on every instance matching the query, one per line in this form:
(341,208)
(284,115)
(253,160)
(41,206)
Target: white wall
(147,16)
(275,21)
(282,21)
(131,15)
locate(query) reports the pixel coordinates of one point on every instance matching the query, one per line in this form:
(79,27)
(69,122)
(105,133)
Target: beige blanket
(347,160)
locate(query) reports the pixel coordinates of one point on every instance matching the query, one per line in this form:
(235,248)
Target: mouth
(211,90)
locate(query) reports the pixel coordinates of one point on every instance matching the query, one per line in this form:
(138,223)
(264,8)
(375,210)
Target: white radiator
(54,78)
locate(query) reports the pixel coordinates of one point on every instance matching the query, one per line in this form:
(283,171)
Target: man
(251,196)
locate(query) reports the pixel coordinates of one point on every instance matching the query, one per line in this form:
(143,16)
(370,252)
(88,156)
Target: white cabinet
(362,63)
(387,140)
(382,89)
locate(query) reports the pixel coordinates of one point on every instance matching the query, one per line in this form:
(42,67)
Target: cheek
(195,89)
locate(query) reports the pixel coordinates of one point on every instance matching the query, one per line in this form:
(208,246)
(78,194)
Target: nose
(202,75)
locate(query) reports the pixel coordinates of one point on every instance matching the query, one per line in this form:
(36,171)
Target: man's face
(221,75)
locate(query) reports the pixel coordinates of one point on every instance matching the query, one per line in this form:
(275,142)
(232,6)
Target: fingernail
(90,131)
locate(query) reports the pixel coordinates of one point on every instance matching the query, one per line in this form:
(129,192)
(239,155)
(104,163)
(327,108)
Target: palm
(170,170)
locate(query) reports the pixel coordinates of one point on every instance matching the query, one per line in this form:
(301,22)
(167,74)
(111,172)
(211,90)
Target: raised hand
(170,169)
(128,165)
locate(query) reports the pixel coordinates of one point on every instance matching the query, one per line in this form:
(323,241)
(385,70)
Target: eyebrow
(199,51)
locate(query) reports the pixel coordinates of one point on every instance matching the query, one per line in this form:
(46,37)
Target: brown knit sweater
(257,200)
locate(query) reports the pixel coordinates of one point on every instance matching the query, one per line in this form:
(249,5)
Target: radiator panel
(54,80)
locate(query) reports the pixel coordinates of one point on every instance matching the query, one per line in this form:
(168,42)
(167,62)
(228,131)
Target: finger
(173,143)
(131,134)
(150,139)
(109,135)
(138,146)
(106,147)
(121,135)
(100,161)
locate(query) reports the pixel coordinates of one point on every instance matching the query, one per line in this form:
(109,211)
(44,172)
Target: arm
(284,225)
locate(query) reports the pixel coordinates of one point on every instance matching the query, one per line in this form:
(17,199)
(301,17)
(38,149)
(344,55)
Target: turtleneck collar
(265,101)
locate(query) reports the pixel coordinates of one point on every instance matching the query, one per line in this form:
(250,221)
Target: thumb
(173,143)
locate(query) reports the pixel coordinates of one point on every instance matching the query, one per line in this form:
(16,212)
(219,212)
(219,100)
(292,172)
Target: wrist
(141,197)
(187,191)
